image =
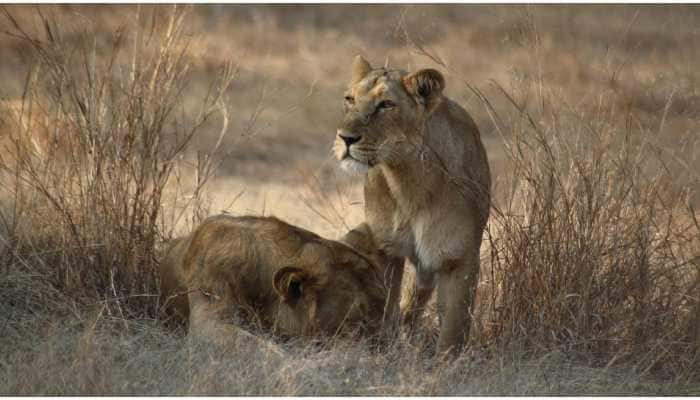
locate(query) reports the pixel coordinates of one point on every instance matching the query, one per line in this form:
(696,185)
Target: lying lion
(235,272)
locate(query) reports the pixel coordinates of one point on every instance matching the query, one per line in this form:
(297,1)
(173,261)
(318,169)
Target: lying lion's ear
(426,86)
(360,68)
(288,282)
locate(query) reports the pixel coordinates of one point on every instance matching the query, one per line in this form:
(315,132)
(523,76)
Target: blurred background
(294,63)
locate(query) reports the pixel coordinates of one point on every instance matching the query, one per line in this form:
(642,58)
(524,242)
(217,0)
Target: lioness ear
(426,86)
(288,282)
(360,68)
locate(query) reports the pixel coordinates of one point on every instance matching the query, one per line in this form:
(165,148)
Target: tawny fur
(237,271)
(426,189)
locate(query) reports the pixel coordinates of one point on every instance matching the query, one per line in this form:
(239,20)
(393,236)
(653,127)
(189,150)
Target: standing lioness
(234,271)
(426,189)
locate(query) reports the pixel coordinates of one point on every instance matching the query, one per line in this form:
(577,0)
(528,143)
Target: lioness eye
(349,99)
(386,104)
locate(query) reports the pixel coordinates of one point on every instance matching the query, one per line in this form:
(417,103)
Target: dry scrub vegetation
(122,126)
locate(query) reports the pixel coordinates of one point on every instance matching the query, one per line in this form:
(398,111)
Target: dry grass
(111,133)
(149,361)
(596,248)
(87,201)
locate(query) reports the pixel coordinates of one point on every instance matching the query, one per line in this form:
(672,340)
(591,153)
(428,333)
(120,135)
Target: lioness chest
(412,221)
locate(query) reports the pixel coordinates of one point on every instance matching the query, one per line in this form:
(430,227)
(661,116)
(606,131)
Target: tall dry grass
(596,248)
(595,245)
(99,136)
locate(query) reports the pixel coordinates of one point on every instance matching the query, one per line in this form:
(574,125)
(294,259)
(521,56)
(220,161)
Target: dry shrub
(90,151)
(596,248)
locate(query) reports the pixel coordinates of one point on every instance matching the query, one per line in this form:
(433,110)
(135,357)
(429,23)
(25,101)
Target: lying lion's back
(242,252)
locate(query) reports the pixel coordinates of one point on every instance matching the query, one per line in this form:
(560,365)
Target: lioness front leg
(456,287)
(393,278)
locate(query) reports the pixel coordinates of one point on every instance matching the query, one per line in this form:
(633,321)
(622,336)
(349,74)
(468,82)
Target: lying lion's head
(263,270)
(329,289)
(384,113)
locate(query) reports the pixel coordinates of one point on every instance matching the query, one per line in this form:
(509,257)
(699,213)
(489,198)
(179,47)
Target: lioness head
(331,289)
(384,114)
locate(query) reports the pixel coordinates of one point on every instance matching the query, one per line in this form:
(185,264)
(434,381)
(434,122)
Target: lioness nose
(349,138)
